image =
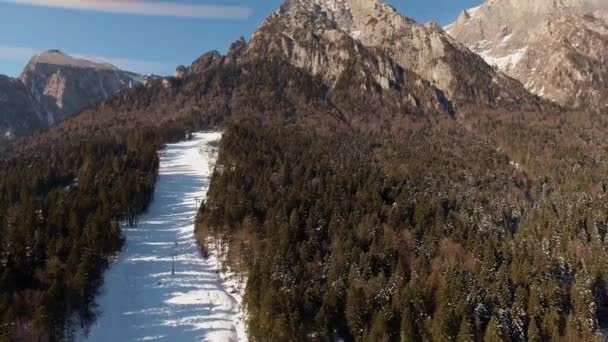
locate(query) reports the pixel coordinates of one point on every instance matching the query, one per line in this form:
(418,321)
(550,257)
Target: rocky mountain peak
(62,85)
(347,15)
(329,6)
(555,48)
(57,57)
(325,36)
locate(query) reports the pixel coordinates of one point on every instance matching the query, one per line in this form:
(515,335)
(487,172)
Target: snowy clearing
(141,300)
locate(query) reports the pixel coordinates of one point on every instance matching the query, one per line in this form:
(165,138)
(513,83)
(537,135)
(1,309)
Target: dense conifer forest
(491,229)
(65,191)
(60,216)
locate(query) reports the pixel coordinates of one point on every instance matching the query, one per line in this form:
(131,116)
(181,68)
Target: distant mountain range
(54,86)
(557,49)
(363,62)
(507,54)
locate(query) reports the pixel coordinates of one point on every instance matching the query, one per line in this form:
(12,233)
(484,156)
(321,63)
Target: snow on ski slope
(141,300)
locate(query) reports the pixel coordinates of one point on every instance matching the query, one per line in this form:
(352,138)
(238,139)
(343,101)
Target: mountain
(557,49)
(358,205)
(354,63)
(18,111)
(54,86)
(314,44)
(64,85)
(374,64)
(302,29)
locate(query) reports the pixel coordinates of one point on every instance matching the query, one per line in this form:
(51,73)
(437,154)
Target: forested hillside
(59,226)
(435,233)
(64,191)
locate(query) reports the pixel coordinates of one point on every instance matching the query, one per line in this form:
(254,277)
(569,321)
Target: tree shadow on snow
(141,299)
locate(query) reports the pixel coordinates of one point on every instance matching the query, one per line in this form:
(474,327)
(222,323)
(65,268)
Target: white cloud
(145,7)
(134,65)
(19,53)
(16,52)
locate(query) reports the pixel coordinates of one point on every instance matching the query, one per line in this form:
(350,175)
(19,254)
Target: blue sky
(151,36)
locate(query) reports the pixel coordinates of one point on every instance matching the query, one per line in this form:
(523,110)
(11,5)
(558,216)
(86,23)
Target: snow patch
(234,282)
(541,92)
(506,39)
(505,62)
(514,164)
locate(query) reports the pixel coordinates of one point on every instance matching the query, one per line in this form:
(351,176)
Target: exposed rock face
(557,49)
(52,87)
(379,29)
(206,61)
(64,85)
(19,114)
(313,41)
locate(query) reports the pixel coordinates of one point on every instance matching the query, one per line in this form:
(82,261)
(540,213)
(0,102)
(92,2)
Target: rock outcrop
(54,86)
(307,27)
(19,113)
(64,85)
(557,49)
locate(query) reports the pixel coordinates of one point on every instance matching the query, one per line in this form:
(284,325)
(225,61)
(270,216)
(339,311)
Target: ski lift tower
(173,259)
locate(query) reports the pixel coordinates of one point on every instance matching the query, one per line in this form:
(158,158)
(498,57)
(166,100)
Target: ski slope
(141,300)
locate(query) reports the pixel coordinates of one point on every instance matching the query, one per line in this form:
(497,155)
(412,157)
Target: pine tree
(534,334)
(379,329)
(465,333)
(493,331)
(553,323)
(356,310)
(444,322)
(571,332)
(408,326)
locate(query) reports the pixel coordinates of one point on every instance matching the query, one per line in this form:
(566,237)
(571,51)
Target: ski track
(140,299)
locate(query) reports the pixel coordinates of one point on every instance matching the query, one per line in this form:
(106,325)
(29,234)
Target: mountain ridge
(64,85)
(426,50)
(54,86)
(556,51)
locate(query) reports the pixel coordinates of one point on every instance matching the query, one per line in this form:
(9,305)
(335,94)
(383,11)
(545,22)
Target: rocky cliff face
(54,86)
(64,85)
(315,44)
(311,41)
(19,113)
(323,34)
(557,49)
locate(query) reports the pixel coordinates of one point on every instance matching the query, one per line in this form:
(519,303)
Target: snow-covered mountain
(324,36)
(557,49)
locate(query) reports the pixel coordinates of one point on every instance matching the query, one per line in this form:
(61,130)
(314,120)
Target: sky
(152,36)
